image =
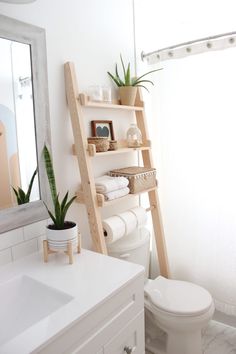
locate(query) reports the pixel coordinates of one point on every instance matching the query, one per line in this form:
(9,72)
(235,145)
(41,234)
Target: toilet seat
(177,297)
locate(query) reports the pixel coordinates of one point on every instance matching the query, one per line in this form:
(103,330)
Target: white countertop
(90,280)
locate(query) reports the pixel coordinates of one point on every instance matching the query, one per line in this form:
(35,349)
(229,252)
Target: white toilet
(180,308)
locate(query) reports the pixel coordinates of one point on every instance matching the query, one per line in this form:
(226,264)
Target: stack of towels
(112,187)
(120,225)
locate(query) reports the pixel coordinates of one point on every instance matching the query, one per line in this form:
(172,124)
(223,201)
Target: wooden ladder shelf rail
(89,196)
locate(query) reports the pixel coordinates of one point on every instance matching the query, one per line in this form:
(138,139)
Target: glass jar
(134,136)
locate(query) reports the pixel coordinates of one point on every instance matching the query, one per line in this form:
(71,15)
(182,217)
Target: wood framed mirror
(24,121)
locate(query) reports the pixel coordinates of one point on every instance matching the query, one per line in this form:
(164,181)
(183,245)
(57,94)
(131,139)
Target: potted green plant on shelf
(60,229)
(21,196)
(128,85)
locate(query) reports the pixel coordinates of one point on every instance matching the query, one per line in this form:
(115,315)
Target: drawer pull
(129,350)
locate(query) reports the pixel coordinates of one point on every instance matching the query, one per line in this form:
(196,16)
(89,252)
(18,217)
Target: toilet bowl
(181,309)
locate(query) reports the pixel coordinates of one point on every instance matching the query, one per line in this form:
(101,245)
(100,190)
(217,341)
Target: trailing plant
(127,79)
(21,196)
(60,207)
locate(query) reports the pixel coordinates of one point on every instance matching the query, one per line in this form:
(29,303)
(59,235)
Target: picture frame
(103,128)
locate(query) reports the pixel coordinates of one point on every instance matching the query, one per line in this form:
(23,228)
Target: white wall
(92,34)
(194,126)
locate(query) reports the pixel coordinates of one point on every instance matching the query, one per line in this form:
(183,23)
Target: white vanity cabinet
(102,311)
(114,327)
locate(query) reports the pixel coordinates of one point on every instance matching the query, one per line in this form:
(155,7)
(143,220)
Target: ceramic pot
(62,235)
(128,95)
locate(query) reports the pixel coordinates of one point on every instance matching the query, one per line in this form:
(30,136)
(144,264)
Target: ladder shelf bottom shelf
(105,203)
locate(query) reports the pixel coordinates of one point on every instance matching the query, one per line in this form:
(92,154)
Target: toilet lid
(178,297)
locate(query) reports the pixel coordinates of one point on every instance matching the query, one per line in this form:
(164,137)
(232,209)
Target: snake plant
(60,207)
(127,79)
(21,196)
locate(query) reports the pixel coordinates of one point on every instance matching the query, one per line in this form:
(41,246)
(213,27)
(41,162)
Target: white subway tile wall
(34,230)
(24,249)
(5,256)
(21,242)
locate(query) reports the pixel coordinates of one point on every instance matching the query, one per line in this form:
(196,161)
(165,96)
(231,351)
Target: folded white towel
(130,221)
(114,228)
(116,194)
(140,214)
(106,184)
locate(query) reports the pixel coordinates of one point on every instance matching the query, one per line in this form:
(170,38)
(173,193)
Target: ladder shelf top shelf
(85,102)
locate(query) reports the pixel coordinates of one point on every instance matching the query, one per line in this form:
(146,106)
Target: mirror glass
(24,123)
(18,159)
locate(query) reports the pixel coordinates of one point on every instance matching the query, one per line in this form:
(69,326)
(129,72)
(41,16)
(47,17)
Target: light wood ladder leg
(159,234)
(70,252)
(79,243)
(153,195)
(87,178)
(45,251)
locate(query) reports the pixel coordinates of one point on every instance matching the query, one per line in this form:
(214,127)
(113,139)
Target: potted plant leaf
(21,196)
(128,85)
(61,229)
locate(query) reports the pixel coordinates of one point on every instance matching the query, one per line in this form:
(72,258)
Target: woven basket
(101,143)
(113,145)
(140,178)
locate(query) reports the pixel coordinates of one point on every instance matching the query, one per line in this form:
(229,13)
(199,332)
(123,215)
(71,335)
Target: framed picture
(103,128)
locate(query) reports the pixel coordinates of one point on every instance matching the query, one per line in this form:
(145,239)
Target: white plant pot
(62,235)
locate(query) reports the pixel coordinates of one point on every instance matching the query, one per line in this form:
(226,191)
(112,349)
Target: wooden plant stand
(68,251)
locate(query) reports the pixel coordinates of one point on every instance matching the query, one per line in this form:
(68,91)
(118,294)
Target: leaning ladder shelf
(84,152)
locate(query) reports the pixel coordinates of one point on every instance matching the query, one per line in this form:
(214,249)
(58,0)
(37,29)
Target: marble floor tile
(218,338)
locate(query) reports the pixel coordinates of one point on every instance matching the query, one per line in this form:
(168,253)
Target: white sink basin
(25,301)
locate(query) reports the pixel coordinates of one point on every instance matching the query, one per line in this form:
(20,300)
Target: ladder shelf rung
(122,150)
(103,203)
(128,196)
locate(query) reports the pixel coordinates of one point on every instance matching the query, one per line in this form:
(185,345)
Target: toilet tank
(134,248)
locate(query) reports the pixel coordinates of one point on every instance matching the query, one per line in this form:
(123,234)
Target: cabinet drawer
(130,337)
(88,336)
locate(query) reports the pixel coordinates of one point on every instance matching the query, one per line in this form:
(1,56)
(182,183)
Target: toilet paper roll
(130,221)
(140,214)
(114,228)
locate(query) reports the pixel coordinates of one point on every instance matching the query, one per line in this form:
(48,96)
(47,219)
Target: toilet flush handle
(129,350)
(124,255)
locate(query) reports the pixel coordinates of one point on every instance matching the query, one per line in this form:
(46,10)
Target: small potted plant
(60,230)
(128,85)
(21,196)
